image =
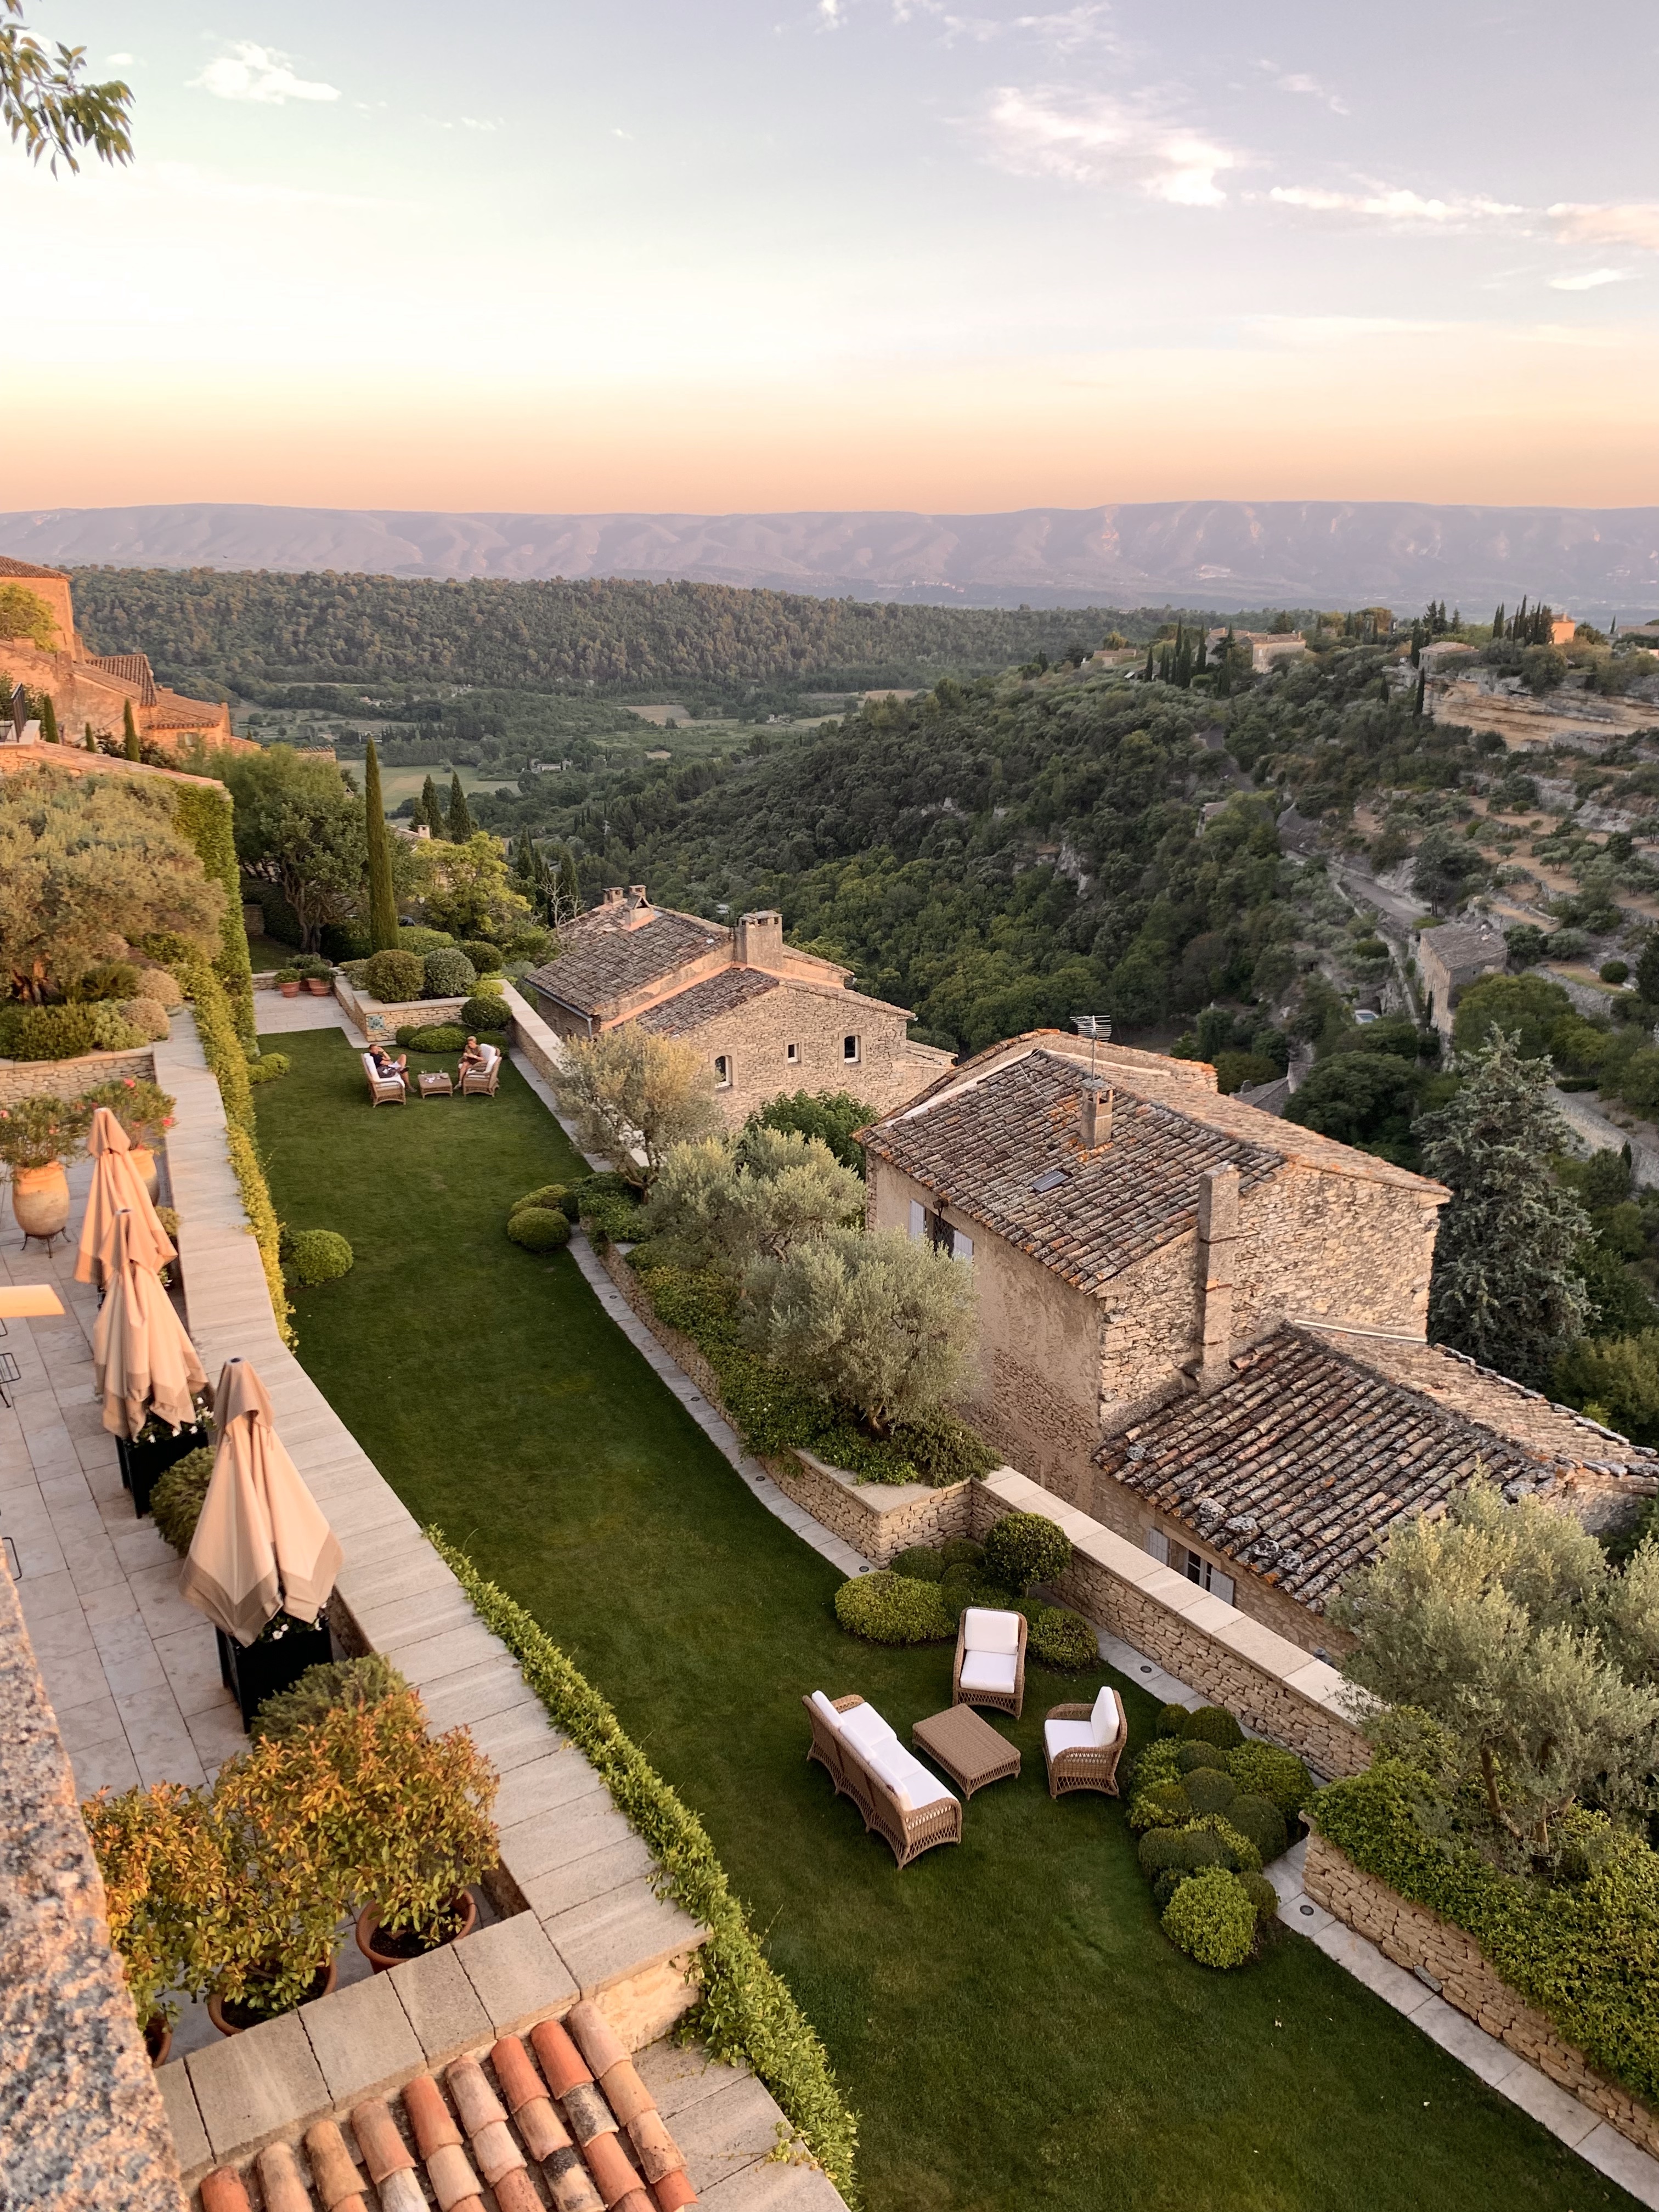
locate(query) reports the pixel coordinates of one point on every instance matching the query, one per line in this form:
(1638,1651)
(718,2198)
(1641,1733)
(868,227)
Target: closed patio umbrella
(116,1187)
(143,1364)
(262,1544)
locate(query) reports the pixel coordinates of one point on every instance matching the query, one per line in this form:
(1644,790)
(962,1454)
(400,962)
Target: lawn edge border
(747,2011)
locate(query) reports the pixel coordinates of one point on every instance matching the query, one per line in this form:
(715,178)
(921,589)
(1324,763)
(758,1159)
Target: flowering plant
(35,1133)
(142,1108)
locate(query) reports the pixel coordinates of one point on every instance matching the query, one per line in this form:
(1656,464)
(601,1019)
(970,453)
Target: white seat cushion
(1103,1719)
(984,1630)
(989,1670)
(1068,1735)
(864,1729)
(913,1787)
(832,1717)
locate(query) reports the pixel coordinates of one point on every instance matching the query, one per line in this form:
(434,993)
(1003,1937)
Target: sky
(722,255)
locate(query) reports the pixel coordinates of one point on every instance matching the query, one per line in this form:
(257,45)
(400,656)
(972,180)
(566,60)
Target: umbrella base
(142,1465)
(253,1672)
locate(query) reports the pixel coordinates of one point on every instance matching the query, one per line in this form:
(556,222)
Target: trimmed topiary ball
(176,1500)
(1191,1755)
(551,1195)
(363,1682)
(1025,1548)
(1064,1641)
(890,1608)
(1171,1720)
(1261,1819)
(439,1037)
(1212,1918)
(317,1255)
(269,1068)
(963,1552)
(394,977)
(486,958)
(1263,1770)
(448,973)
(921,1565)
(1261,1894)
(483,1013)
(1209,1789)
(1162,1847)
(1212,1724)
(1161,1805)
(539,1229)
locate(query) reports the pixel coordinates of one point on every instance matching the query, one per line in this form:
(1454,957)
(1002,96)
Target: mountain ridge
(1223,554)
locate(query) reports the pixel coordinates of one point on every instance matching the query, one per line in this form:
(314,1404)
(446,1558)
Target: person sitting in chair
(476,1055)
(386,1068)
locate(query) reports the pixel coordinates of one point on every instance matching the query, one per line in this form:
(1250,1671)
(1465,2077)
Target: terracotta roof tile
(601,961)
(1298,1466)
(10,567)
(127,668)
(702,1002)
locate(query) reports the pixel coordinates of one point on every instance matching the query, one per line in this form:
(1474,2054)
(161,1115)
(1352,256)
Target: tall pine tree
(461,819)
(382,905)
(1503,1288)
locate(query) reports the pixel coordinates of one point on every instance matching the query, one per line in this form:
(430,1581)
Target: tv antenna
(1096,1028)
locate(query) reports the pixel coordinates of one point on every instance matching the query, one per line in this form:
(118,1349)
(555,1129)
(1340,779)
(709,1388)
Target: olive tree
(636,1097)
(882,1322)
(300,827)
(718,1205)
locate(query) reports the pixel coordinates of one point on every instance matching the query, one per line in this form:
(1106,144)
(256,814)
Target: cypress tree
(382,905)
(91,742)
(1422,690)
(1497,623)
(48,720)
(568,890)
(1147,677)
(428,809)
(129,731)
(461,820)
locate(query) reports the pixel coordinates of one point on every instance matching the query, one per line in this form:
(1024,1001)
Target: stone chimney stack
(613,896)
(636,908)
(760,941)
(1217,1240)
(1094,1116)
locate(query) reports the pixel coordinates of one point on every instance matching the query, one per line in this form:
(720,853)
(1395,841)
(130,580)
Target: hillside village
(1006,1281)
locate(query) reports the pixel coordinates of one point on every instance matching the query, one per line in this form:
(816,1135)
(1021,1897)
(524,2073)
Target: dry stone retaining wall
(72,1078)
(380,1024)
(1419,1940)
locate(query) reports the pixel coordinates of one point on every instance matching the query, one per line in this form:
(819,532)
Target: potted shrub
(318,976)
(37,1135)
(144,1111)
(288,983)
(167,1887)
(145,1458)
(418,1829)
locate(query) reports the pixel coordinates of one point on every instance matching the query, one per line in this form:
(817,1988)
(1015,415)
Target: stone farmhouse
(1451,958)
(768,1018)
(96,688)
(1267,647)
(1206,1326)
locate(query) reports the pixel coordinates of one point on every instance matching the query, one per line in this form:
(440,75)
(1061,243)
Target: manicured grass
(1005,2016)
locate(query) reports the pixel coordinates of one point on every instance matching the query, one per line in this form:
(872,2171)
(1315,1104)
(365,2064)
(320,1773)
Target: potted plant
(37,1135)
(288,983)
(318,976)
(166,1893)
(275,1660)
(145,1458)
(144,1111)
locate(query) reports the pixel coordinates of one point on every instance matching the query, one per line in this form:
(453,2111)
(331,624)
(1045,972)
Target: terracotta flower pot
(143,1161)
(289,990)
(318,985)
(321,1987)
(369,1928)
(40,1199)
(158,2040)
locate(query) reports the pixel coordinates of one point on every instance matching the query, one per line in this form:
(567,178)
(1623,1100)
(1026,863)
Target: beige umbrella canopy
(143,1362)
(262,1544)
(117,1187)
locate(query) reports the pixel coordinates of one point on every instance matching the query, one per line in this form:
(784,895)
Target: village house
(93,691)
(1267,647)
(768,1018)
(1206,1327)
(1452,956)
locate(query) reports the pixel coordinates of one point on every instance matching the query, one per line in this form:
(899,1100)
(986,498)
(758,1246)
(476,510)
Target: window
(1051,1179)
(722,1072)
(792,1054)
(918,1219)
(962,1248)
(849,1048)
(1158,1544)
(1205,1573)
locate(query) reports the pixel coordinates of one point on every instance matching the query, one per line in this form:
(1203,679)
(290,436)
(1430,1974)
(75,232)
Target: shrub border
(747,2011)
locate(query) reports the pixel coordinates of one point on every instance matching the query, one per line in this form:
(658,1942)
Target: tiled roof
(596,2143)
(700,1002)
(1465,944)
(601,961)
(10,567)
(126,668)
(1298,1467)
(984,1146)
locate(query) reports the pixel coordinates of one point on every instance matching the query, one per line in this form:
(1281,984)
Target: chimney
(1094,1116)
(636,908)
(613,896)
(1217,1237)
(760,941)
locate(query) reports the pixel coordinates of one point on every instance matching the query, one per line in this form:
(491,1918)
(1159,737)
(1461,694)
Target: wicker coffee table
(968,1749)
(436,1086)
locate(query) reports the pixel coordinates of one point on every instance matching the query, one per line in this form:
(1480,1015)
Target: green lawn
(1005,2016)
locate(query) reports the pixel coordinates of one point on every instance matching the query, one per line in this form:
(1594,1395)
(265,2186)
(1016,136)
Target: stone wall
(1270,1683)
(72,1078)
(1419,1940)
(81,2119)
(755,1039)
(535,1040)
(380,1024)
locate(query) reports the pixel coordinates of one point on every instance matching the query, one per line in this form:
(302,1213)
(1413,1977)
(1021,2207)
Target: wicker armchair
(1083,1744)
(384,1090)
(910,1813)
(990,1666)
(480,1082)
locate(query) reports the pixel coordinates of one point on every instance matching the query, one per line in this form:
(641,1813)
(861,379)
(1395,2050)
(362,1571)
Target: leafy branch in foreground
(46,104)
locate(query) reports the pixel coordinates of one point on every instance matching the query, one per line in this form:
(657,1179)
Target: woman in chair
(474,1057)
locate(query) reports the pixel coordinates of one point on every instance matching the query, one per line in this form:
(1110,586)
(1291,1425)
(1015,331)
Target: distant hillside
(1216,553)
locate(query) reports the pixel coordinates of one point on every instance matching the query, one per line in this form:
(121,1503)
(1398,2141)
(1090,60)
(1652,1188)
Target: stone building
(95,690)
(1180,1299)
(767,1017)
(1267,647)
(1450,958)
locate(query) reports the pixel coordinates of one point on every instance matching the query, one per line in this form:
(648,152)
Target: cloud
(830,14)
(258,74)
(120,61)
(1064,32)
(1294,80)
(1589,224)
(1394,205)
(1096,138)
(1590,280)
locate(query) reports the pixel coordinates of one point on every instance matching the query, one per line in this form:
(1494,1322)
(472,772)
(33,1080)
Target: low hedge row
(772,1414)
(747,2013)
(1585,1953)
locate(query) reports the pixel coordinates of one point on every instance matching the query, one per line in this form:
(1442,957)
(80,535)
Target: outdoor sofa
(990,1667)
(899,1800)
(1083,1744)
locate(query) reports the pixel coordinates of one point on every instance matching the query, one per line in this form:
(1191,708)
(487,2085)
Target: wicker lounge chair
(896,1798)
(1083,1744)
(480,1082)
(990,1669)
(384,1090)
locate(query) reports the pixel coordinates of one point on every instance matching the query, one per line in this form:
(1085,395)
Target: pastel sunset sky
(727,254)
